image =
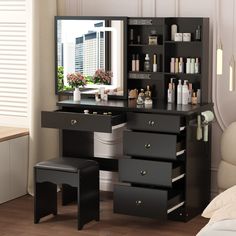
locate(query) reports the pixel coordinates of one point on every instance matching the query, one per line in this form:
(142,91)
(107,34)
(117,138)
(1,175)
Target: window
(14,64)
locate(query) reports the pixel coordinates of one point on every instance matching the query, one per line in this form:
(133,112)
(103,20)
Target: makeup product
(198,33)
(133,62)
(176,65)
(173,31)
(181,65)
(131,36)
(178,37)
(190,91)
(188,66)
(197,66)
(138,39)
(148,92)
(172,65)
(179,93)
(137,62)
(170,94)
(186,37)
(172,81)
(154,68)
(152,39)
(199,128)
(185,93)
(199,96)
(194,99)
(147,66)
(192,66)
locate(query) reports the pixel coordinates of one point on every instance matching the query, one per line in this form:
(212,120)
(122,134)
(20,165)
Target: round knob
(73,122)
(151,122)
(147,145)
(138,202)
(143,172)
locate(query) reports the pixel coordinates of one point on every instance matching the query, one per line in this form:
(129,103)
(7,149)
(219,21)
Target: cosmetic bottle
(181,65)
(172,65)
(179,93)
(147,63)
(192,66)
(198,33)
(133,62)
(154,63)
(170,94)
(190,91)
(173,31)
(137,62)
(199,96)
(172,81)
(194,99)
(196,67)
(148,92)
(188,62)
(176,65)
(138,39)
(131,36)
(185,93)
(152,39)
(142,94)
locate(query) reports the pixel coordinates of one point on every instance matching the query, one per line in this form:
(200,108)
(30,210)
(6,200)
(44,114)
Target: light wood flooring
(16,218)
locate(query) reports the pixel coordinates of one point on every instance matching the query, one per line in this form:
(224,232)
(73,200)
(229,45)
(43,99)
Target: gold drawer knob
(143,172)
(138,202)
(147,145)
(73,122)
(151,122)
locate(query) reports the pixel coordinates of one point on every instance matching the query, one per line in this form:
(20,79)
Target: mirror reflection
(92,51)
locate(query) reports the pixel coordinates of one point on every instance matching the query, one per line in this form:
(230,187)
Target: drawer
(165,146)
(150,172)
(146,202)
(80,121)
(154,122)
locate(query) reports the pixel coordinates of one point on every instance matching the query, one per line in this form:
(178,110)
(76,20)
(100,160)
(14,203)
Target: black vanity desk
(166,171)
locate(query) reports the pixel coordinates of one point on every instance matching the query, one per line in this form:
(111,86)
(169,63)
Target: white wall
(223,99)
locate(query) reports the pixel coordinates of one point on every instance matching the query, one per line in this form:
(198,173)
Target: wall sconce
(231,74)
(219,59)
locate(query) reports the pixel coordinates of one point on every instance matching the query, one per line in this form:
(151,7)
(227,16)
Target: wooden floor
(16,218)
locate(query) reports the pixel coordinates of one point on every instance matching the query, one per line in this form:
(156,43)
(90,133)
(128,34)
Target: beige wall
(223,99)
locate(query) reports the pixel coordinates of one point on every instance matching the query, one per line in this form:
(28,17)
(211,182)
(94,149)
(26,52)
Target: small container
(147,66)
(133,62)
(198,33)
(154,68)
(152,39)
(136,62)
(86,111)
(194,99)
(172,65)
(95,113)
(179,37)
(131,36)
(138,39)
(186,37)
(173,31)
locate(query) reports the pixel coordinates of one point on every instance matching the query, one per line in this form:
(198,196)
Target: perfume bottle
(147,66)
(148,92)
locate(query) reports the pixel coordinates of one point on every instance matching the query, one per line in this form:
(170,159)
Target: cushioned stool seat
(80,181)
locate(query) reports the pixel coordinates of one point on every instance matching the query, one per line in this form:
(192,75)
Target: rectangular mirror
(94,47)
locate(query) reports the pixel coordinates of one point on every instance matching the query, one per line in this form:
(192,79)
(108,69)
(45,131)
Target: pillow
(222,200)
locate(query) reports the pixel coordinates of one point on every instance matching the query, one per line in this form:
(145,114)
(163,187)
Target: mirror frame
(124,19)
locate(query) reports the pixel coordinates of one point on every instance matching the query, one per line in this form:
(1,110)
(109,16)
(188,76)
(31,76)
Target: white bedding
(220,228)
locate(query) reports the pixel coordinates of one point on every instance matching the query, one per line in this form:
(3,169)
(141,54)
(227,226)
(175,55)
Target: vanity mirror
(94,47)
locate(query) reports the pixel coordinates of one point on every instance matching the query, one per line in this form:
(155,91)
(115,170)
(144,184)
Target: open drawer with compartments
(78,120)
(139,201)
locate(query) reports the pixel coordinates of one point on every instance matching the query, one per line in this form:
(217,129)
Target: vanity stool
(80,181)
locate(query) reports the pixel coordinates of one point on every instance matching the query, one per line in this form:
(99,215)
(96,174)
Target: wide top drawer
(154,122)
(80,121)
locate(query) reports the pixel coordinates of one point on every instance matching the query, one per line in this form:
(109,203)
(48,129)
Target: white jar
(76,95)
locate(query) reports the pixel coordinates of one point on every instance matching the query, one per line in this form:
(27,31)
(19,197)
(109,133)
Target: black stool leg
(69,194)
(88,196)
(45,199)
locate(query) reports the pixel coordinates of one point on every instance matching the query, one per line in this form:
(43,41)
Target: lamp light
(231,74)
(219,59)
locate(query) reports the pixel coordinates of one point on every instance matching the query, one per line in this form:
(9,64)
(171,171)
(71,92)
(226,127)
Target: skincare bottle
(190,91)
(196,67)
(138,39)
(181,65)
(133,62)
(173,88)
(147,63)
(188,66)
(142,95)
(176,65)
(148,92)
(194,99)
(192,66)
(173,31)
(198,33)
(170,94)
(172,65)
(179,93)
(137,63)
(152,39)
(185,93)
(199,96)
(131,36)
(154,63)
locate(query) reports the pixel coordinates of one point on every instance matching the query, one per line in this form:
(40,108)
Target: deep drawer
(149,172)
(80,121)
(152,145)
(153,203)
(154,122)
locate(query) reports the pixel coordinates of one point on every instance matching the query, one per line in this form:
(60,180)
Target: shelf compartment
(153,145)
(150,172)
(153,203)
(79,121)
